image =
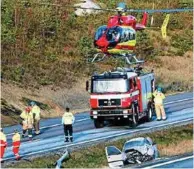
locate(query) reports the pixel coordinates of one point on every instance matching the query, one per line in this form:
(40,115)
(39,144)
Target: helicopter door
(114,157)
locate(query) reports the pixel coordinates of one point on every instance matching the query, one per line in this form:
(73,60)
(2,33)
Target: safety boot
(37,132)
(71,139)
(66,140)
(18,157)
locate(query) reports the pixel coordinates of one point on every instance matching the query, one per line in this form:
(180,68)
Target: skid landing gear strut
(129,58)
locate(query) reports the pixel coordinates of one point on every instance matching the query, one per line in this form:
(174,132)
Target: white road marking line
(169,162)
(55,125)
(176,101)
(106,137)
(61,124)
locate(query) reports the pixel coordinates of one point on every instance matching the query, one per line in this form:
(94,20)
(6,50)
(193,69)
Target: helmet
(159,89)
(32,103)
(121,7)
(67,109)
(27,109)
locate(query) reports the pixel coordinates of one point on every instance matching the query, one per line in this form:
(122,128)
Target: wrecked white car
(136,150)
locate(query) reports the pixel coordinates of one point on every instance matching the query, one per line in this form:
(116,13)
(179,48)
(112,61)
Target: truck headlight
(95,112)
(125,111)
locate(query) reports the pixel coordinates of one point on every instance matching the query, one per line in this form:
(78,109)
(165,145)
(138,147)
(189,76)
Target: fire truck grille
(111,102)
(110,112)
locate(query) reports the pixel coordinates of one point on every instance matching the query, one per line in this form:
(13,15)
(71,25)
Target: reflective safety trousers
(16,144)
(3,144)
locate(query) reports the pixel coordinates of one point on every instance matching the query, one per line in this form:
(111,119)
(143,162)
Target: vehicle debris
(135,151)
(65,156)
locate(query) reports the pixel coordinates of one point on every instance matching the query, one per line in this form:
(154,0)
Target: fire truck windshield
(110,85)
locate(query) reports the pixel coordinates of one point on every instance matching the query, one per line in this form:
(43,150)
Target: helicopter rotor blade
(71,6)
(161,10)
(115,10)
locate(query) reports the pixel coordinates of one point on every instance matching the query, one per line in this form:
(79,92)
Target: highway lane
(52,137)
(84,123)
(178,162)
(54,122)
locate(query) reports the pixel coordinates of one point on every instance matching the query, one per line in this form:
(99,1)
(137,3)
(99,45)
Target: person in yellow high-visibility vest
(16,144)
(68,120)
(27,122)
(36,116)
(158,100)
(3,144)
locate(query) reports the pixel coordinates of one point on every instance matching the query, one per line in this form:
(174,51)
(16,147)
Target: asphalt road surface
(178,162)
(179,109)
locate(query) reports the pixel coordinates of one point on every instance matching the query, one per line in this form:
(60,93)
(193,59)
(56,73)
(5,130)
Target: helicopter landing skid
(98,57)
(129,58)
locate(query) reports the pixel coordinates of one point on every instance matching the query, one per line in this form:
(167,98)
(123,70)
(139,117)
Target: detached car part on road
(134,151)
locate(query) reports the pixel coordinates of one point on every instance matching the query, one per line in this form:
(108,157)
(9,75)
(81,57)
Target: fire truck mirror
(87,85)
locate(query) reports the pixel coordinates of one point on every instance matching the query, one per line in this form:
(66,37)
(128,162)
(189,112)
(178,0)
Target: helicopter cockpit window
(100,31)
(119,34)
(114,34)
(127,34)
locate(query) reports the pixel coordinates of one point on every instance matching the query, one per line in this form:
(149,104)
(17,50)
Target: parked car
(136,150)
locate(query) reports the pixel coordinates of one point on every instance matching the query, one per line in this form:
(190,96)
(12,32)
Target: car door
(114,157)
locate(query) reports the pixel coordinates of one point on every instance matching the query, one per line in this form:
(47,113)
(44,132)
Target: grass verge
(172,141)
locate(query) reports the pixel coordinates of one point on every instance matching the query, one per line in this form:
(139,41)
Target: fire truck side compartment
(147,89)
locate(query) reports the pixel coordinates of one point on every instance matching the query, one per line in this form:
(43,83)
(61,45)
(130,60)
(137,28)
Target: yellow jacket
(16,137)
(27,117)
(3,137)
(36,112)
(68,118)
(158,97)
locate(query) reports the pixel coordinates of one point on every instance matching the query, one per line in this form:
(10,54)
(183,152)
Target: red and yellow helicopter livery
(119,35)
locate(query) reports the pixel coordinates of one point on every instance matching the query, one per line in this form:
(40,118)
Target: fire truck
(124,94)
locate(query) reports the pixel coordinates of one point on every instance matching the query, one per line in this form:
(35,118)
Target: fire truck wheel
(134,117)
(149,114)
(98,123)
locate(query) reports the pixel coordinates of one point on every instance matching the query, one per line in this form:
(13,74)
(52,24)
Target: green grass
(8,110)
(94,156)
(41,105)
(45,45)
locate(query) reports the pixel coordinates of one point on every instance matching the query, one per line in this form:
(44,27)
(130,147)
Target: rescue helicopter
(118,37)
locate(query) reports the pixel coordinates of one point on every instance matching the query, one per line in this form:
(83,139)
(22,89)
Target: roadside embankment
(51,101)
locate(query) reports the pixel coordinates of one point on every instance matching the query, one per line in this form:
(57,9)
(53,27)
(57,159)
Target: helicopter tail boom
(142,25)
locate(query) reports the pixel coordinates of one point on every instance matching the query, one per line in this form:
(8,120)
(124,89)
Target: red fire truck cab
(122,94)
